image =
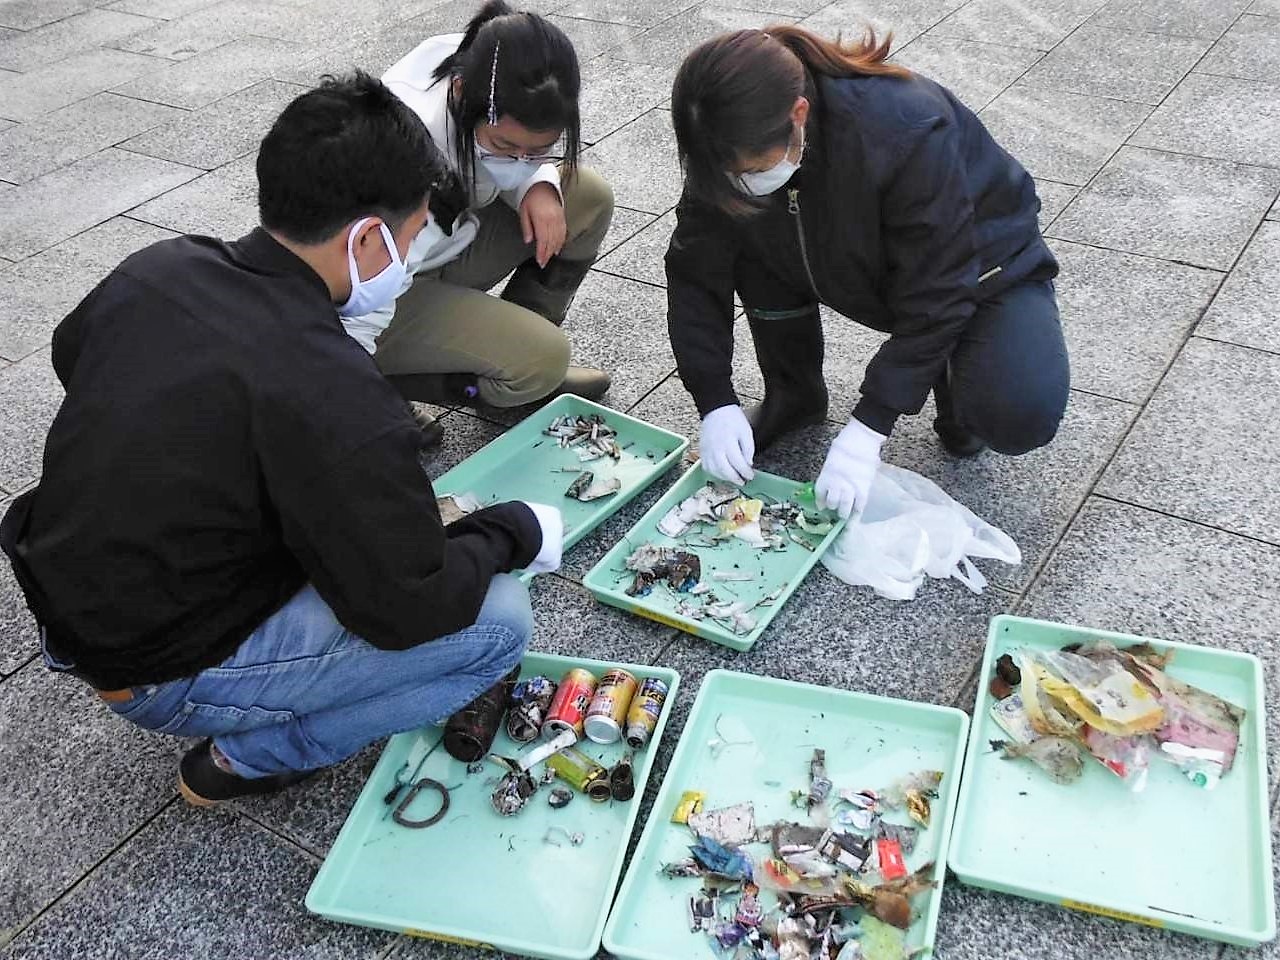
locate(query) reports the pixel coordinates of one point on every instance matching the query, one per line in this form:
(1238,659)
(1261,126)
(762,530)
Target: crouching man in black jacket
(818,173)
(233,538)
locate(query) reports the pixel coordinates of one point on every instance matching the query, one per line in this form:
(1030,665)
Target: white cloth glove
(727,445)
(552,523)
(845,480)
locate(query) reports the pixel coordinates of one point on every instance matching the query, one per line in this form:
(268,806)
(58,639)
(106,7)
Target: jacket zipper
(793,208)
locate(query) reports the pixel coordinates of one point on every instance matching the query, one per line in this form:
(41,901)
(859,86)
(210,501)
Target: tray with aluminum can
(525,800)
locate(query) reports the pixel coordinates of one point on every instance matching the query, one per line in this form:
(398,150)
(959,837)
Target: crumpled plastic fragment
(730,826)
(1057,756)
(721,860)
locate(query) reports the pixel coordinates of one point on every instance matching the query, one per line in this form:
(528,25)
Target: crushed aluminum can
(527,709)
(512,793)
(731,826)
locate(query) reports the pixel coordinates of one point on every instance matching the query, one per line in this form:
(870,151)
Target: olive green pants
(447,323)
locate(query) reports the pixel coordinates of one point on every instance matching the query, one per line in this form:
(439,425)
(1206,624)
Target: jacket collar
(261,251)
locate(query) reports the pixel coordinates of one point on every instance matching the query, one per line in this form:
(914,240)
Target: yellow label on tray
(1113,914)
(661,618)
(445,938)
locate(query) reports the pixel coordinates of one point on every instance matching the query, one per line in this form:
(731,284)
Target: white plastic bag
(909,529)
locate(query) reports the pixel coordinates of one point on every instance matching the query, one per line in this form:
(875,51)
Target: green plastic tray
(870,742)
(477,878)
(518,466)
(774,569)
(1172,856)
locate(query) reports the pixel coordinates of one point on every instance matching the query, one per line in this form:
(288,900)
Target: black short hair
(347,149)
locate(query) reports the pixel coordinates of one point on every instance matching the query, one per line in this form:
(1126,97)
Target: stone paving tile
(1103,62)
(1244,311)
(640,161)
(640,258)
(78,196)
(568,621)
(621,326)
(785,8)
(222,204)
(74,132)
(625,11)
(1182,18)
(1054,198)
(1125,317)
(220,132)
(1218,117)
(209,27)
(76,34)
(626,224)
(1058,135)
(1265,8)
(1032,497)
(30,14)
(162,9)
(1123,568)
(27,95)
(1250,50)
(217,73)
(972,920)
(1189,209)
(30,395)
(668,43)
(1274,212)
(906,19)
(79,780)
(591,38)
(18,639)
(1205,447)
(38,292)
(464,434)
(1039,26)
(185,857)
(615,92)
(975,72)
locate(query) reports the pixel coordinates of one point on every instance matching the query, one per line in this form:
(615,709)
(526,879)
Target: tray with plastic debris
(1188,851)
(586,459)
(717,560)
(844,800)
(537,883)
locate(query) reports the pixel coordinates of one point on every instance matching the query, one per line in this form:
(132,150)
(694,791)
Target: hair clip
(493,85)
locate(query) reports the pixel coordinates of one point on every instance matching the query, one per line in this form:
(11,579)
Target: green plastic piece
(751,738)
(775,573)
(477,877)
(1175,855)
(523,464)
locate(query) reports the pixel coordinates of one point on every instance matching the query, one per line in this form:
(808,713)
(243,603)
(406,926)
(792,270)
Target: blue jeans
(303,692)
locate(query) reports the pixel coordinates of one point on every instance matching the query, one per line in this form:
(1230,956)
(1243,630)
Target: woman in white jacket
(500,102)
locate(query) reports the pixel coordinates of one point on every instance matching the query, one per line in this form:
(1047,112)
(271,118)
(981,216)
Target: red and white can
(568,709)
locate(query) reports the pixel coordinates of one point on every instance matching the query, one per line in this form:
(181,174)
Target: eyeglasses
(552,155)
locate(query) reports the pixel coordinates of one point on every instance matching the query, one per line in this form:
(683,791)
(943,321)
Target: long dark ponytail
(521,65)
(733,97)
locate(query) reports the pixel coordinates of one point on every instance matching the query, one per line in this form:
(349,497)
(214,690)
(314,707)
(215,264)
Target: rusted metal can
(569,706)
(646,708)
(609,706)
(581,772)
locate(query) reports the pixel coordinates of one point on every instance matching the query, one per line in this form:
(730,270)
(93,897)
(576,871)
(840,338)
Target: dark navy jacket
(912,214)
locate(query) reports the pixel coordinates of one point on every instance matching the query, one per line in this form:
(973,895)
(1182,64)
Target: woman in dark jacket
(817,173)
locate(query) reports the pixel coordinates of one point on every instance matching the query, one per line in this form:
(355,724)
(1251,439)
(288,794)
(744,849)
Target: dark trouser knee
(1020,425)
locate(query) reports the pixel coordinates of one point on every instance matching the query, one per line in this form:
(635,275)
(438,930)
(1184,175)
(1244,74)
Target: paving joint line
(1112,498)
(1242,346)
(85,877)
(1200,156)
(1129,253)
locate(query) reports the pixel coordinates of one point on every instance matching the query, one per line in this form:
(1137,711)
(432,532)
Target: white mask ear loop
(351,254)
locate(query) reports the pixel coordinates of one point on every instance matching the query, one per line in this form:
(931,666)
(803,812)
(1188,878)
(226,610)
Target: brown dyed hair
(733,96)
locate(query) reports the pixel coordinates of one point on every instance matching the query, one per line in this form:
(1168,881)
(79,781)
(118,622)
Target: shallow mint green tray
(1173,856)
(477,878)
(774,569)
(518,466)
(870,742)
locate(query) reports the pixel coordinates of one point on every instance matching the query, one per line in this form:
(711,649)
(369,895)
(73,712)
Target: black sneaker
(203,783)
(958,441)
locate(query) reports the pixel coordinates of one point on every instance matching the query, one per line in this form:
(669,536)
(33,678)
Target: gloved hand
(727,445)
(844,482)
(552,523)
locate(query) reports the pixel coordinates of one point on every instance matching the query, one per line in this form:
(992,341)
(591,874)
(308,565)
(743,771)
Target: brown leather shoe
(586,382)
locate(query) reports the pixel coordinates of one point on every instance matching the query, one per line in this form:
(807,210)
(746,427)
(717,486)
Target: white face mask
(379,290)
(765,182)
(507,173)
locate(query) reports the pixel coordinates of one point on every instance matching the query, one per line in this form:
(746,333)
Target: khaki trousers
(447,323)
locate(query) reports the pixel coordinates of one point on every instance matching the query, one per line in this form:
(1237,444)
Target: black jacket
(905,201)
(222,442)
